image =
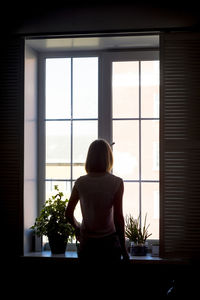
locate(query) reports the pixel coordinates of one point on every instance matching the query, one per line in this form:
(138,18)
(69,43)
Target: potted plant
(136,235)
(52,223)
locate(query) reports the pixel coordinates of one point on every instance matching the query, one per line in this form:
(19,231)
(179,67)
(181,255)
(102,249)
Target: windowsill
(68,254)
(72,256)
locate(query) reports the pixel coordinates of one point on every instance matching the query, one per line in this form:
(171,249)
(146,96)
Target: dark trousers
(100,251)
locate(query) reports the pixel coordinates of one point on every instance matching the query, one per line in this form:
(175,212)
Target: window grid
(71,180)
(139,119)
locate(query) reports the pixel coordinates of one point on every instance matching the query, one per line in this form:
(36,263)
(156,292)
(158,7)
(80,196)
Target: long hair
(99,157)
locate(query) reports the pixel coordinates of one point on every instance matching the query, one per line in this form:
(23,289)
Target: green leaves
(131,230)
(134,232)
(56,187)
(52,217)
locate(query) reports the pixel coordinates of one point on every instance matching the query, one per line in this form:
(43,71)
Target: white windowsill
(72,255)
(68,254)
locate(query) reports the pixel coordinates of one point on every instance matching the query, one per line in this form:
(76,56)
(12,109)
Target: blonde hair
(99,157)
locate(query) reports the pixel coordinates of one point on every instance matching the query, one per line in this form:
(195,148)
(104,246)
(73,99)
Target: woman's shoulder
(115,178)
(106,177)
(81,178)
(116,183)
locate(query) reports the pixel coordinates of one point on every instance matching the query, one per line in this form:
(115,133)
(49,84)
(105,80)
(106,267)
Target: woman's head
(99,157)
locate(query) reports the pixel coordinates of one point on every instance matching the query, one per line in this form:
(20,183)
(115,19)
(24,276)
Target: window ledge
(72,256)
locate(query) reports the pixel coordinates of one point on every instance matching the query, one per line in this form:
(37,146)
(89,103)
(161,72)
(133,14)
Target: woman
(101,233)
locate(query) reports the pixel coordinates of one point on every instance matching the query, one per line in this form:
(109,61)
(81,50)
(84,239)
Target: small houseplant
(136,235)
(52,223)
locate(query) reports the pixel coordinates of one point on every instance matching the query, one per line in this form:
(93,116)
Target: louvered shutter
(180,145)
(11,144)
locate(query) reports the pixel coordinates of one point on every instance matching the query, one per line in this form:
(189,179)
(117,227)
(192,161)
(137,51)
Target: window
(111,95)
(179,127)
(71,118)
(135,124)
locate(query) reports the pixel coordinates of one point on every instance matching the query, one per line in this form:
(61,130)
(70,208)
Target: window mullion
(71,163)
(140,142)
(105,98)
(41,133)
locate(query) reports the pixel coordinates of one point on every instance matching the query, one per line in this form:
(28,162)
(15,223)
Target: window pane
(58,149)
(64,187)
(131,199)
(150,150)
(85,87)
(84,133)
(150,89)
(126,149)
(150,205)
(58,88)
(125,89)
(77,212)
(58,170)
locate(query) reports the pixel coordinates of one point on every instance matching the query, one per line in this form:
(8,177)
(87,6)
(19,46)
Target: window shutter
(11,149)
(180,145)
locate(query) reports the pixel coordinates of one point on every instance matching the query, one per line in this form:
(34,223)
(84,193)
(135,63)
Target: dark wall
(96,16)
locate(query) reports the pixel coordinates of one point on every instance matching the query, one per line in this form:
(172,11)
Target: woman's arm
(69,212)
(119,219)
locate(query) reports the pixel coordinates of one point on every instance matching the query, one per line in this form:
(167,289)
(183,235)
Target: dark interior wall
(107,18)
(36,20)
(96,16)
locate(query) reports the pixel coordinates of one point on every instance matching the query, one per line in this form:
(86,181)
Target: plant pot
(57,243)
(138,250)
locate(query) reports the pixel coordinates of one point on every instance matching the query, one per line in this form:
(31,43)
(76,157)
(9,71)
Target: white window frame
(128,56)
(104,98)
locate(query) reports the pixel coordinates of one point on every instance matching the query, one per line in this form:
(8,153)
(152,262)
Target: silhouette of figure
(101,233)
